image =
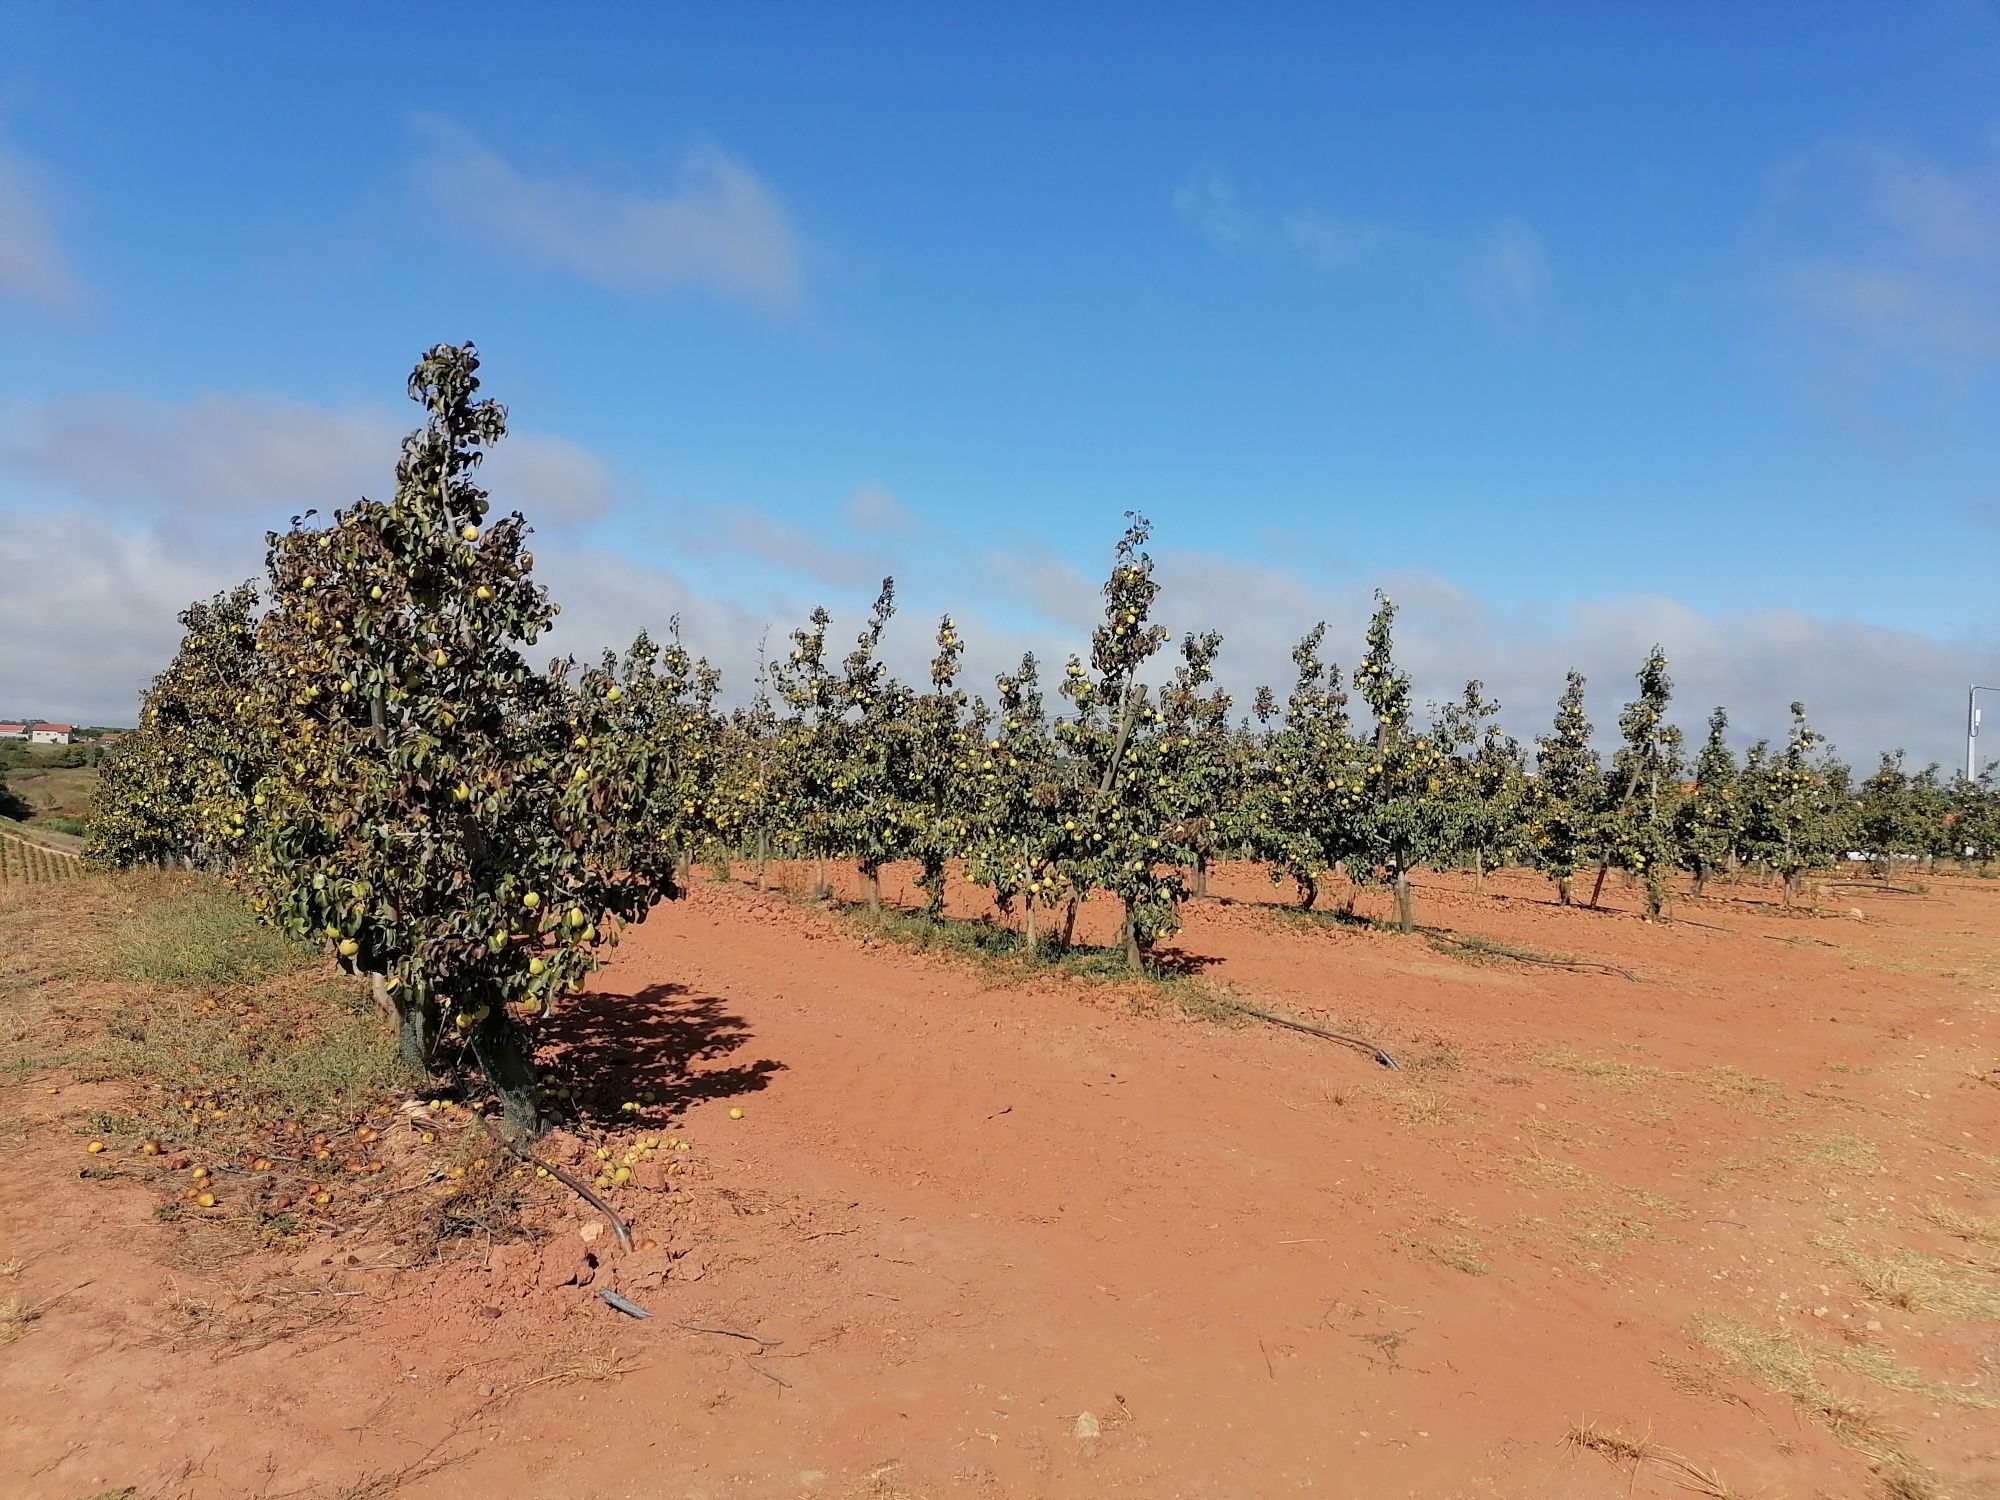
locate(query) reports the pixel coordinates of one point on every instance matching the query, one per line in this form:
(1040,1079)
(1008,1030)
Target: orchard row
(375,764)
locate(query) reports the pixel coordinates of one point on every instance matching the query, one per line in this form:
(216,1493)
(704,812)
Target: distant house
(13,731)
(51,734)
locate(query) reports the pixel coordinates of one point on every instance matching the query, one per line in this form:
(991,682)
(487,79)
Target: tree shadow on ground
(655,1049)
(1172,963)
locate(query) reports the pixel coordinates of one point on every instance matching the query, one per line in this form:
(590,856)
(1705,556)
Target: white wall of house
(49,737)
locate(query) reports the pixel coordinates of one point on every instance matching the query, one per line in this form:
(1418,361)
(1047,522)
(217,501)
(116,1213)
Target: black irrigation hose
(617,1224)
(1359,1044)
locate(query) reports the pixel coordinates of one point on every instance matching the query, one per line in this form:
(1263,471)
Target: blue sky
(1575,326)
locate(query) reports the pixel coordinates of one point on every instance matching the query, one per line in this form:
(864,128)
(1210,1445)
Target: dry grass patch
(1916,1282)
(17,1316)
(1846,1153)
(250,1315)
(1537,1170)
(1605,1070)
(1608,1443)
(1759,1095)
(1960,1225)
(1629,1453)
(1658,1203)
(571,1369)
(1417,1106)
(1873,1364)
(1782,1364)
(1691,1380)
(1601,1229)
(1461,1253)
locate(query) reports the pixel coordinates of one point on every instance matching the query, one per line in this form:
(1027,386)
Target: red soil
(1063,1239)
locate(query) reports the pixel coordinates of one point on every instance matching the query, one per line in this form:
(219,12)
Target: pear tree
(1636,831)
(1407,817)
(444,818)
(1124,828)
(1303,793)
(1019,821)
(939,801)
(1708,821)
(177,790)
(1563,803)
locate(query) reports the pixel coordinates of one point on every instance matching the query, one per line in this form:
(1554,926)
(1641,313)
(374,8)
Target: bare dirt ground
(1713,1212)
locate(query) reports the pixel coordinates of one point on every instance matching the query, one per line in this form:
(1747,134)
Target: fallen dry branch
(731,1333)
(1629,1453)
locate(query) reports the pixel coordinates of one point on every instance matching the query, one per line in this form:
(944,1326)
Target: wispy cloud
(1871,687)
(741,531)
(1501,267)
(873,508)
(1329,242)
(116,591)
(118,579)
(229,457)
(713,226)
(1207,201)
(1508,278)
(1891,254)
(34,267)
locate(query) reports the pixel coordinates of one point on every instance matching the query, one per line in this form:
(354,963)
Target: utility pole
(1972,726)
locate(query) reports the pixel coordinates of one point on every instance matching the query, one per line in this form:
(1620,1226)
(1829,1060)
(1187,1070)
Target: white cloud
(1207,200)
(1891,254)
(1509,275)
(1870,686)
(222,456)
(1050,587)
(33,264)
(713,227)
(740,530)
(1502,268)
(1328,242)
(873,508)
(87,617)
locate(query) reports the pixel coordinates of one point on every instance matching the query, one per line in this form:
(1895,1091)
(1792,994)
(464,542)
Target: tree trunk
(1405,917)
(1069,925)
(1308,891)
(501,1048)
(379,988)
(1700,880)
(763,855)
(1565,889)
(416,1029)
(874,877)
(684,870)
(1028,920)
(1135,959)
(1479,871)
(820,891)
(1597,889)
(1201,874)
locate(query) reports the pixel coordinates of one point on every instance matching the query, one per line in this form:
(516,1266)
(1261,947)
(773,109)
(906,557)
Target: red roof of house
(12,728)
(58,728)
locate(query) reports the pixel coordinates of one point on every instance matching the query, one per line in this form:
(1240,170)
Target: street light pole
(1972,725)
